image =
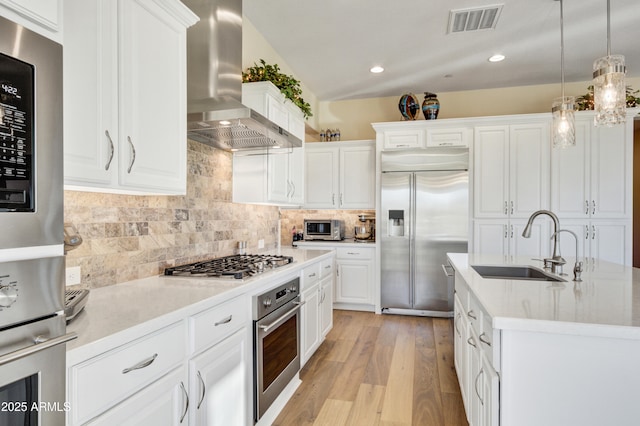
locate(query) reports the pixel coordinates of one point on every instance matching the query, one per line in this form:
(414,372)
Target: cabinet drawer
(403,139)
(326,268)
(103,381)
(354,253)
(448,137)
(214,324)
(310,275)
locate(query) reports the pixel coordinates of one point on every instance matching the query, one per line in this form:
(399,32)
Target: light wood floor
(379,370)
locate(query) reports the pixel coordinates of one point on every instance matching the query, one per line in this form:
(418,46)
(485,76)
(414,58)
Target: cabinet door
(278,177)
(326,305)
(539,245)
(610,172)
(90,93)
(460,349)
(403,139)
(45,14)
(310,312)
(610,241)
(570,175)
(152,61)
(491,237)
(357,177)
(353,283)
(459,136)
(321,183)
(475,407)
(163,403)
(218,384)
(491,171)
(490,401)
(529,169)
(296,176)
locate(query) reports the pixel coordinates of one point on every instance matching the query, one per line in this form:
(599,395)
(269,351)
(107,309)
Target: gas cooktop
(237,266)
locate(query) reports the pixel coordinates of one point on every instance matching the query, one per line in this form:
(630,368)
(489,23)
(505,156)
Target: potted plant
(289,86)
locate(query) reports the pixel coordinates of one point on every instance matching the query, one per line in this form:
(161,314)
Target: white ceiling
(331,44)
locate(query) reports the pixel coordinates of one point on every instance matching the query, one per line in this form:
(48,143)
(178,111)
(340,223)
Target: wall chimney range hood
(215,113)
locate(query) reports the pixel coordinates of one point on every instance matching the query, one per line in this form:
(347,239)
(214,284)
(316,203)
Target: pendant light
(563,108)
(609,90)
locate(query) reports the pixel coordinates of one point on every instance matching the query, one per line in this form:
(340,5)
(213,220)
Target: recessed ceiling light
(377,69)
(496,58)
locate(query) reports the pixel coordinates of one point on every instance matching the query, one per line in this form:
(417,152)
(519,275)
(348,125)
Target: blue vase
(430,106)
(409,106)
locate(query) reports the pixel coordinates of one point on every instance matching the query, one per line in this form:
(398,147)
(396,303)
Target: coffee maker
(365,231)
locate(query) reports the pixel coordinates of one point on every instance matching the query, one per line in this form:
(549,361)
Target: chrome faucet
(555,261)
(577,268)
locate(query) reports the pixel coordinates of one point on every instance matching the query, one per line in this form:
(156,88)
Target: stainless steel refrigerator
(424,215)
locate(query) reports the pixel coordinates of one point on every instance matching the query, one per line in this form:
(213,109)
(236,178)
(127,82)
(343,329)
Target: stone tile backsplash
(130,236)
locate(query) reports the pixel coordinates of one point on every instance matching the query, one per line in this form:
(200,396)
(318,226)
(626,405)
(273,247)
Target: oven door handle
(283,318)
(40,345)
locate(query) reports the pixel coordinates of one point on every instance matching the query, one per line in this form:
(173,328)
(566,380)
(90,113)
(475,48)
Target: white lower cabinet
(326,304)
(317,306)
(218,384)
(162,403)
(355,277)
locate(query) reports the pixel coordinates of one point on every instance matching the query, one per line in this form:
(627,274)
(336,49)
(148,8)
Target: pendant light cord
(608,27)
(562,48)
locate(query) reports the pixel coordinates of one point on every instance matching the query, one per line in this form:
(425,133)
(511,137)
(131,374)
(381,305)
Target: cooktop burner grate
(237,266)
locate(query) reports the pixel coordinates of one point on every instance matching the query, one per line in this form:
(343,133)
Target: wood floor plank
(443,332)
(333,413)
(424,333)
(346,385)
(453,410)
(427,402)
(341,350)
(367,407)
(398,399)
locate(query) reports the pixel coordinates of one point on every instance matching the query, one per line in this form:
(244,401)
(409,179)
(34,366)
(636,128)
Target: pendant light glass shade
(564,122)
(563,108)
(609,90)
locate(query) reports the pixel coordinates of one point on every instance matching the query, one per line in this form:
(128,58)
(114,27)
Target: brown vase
(430,106)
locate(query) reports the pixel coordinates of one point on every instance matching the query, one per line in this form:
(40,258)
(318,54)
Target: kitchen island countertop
(605,304)
(128,310)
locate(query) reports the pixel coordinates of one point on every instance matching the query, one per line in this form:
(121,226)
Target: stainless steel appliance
(276,316)
(32,322)
(424,214)
(236,266)
(216,115)
(323,229)
(366,230)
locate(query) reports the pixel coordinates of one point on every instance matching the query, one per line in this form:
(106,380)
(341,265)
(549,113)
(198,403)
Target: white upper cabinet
(340,175)
(511,170)
(125,95)
(593,179)
(41,16)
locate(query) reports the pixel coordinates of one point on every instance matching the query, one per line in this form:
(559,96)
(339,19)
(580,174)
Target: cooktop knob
(8,295)
(293,289)
(266,302)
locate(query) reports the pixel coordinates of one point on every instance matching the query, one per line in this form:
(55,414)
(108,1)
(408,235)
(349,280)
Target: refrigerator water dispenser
(396,223)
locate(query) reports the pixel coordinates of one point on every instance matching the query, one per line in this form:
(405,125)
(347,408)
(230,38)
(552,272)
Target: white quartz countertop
(605,303)
(128,310)
(348,242)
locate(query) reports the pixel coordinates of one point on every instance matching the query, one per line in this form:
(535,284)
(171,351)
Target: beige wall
(128,237)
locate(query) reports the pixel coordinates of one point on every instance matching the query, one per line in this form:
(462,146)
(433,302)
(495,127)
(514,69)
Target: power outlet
(73,275)
(260,243)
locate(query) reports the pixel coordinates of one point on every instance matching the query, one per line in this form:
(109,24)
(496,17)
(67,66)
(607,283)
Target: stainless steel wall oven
(276,343)
(32,322)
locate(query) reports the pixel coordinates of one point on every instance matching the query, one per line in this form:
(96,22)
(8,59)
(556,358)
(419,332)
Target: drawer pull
(142,364)
(484,340)
(224,321)
(471,342)
(327,267)
(475,385)
(472,315)
(186,405)
(352,253)
(455,324)
(204,390)
(133,154)
(312,275)
(106,167)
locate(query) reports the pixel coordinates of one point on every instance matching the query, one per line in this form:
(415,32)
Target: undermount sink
(530,273)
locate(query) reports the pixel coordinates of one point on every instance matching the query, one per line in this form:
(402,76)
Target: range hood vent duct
(472,19)
(215,113)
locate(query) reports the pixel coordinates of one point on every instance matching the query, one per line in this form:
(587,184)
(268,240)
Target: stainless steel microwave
(323,229)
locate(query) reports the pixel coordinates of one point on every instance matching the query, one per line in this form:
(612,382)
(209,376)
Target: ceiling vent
(472,19)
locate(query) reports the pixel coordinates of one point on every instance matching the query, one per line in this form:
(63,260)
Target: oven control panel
(271,300)
(8,291)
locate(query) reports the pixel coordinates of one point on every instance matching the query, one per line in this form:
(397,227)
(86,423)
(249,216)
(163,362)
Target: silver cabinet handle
(353,253)
(133,154)
(455,323)
(511,231)
(475,385)
(341,199)
(484,340)
(186,405)
(142,364)
(282,319)
(471,342)
(106,167)
(448,270)
(472,315)
(512,207)
(593,206)
(586,209)
(506,209)
(324,296)
(327,267)
(586,232)
(204,390)
(505,231)
(224,321)
(333,199)
(593,232)
(312,275)
(293,189)
(39,345)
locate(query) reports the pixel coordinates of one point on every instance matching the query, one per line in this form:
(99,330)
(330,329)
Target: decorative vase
(409,106)
(430,106)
